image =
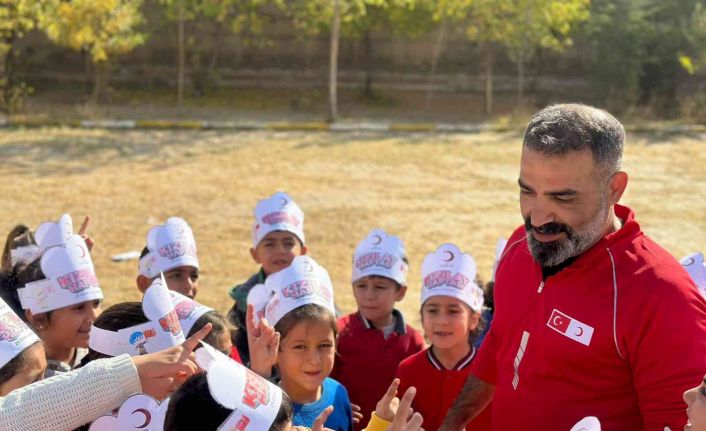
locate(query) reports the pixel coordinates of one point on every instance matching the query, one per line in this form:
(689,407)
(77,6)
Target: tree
(100,28)
(524,26)
(17,18)
(245,18)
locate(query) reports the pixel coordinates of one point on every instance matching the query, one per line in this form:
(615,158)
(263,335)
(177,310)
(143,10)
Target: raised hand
(162,372)
(388,404)
(82,232)
(263,342)
(405,419)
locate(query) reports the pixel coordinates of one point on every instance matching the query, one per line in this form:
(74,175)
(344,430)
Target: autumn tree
(102,29)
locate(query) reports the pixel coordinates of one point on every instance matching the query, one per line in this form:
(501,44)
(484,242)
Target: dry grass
(426,188)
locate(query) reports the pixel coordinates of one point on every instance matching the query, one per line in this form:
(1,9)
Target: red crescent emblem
(148,417)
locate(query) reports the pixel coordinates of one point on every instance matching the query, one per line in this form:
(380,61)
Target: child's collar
(460,365)
(400,325)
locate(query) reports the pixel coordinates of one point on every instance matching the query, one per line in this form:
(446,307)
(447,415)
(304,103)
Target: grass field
(427,189)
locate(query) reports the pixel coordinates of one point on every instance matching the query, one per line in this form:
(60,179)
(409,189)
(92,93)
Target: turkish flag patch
(570,327)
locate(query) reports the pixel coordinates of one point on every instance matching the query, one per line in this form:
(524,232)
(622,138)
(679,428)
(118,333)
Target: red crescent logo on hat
(451,256)
(308,267)
(179,228)
(83,251)
(284,201)
(690,261)
(148,417)
(377,239)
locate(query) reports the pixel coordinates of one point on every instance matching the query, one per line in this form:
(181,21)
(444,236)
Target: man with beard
(592,318)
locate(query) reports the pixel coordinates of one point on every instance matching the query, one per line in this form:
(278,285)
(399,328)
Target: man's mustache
(551,228)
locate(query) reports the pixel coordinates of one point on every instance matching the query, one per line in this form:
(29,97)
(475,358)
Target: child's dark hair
(308,312)
(19,236)
(17,363)
(219,326)
(115,318)
(17,277)
(192,407)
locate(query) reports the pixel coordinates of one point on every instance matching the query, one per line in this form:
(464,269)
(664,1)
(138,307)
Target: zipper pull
(541,286)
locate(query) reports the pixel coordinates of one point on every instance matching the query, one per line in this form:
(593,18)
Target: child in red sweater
(451,307)
(375,339)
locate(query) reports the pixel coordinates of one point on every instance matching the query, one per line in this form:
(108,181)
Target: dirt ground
(426,188)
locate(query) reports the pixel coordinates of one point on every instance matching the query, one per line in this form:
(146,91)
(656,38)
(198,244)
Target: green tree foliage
(100,28)
(206,22)
(17,18)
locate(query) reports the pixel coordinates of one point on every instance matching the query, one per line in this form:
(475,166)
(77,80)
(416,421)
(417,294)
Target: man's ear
(399,296)
(617,185)
(253,254)
(143,283)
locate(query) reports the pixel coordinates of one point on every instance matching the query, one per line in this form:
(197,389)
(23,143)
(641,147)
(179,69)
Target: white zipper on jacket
(541,286)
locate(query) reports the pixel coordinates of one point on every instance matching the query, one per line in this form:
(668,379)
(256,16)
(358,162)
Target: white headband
(139,412)
(50,234)
(254,400)
(188,310)
(170,246)
(382,255)
(160,332)
(303,282)
(695,266)
(277,213)
(25,254)
(449,272)
(15,335)
(70,279)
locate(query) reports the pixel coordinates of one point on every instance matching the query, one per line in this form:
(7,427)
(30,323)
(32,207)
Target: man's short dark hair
(559,129)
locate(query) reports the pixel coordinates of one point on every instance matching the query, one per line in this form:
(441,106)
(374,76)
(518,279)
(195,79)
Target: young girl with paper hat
(298,302)
(277,238)
(22,358)
(451,307)
(376,329)
(57,294)
(170,249)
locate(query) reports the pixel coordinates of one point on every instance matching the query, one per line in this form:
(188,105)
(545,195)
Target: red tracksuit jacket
(437,388)
(618,334)
(366,362)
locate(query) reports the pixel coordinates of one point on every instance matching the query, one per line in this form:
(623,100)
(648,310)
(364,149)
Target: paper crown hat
(188,310)
(590,423)
(499,248)
(139,412)
(695,266)
(254,400)
(303,282)
(48,234)
(161,331)
(70,278)
(277,213)
(15,335)
(382,255)
(169,246)
(449,272)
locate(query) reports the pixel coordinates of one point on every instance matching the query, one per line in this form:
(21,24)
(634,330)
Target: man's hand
(82,233)
(473,398)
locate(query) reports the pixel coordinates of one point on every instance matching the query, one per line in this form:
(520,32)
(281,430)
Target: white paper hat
(449,272)
(70,279)
(162,331)
(695,266)
(139,412)
(382,255)
(303,282)
(15,335)
(589,423)
(170,246)
(278,212)
(254,400)
(188,310)
(50,234)
(499,248)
